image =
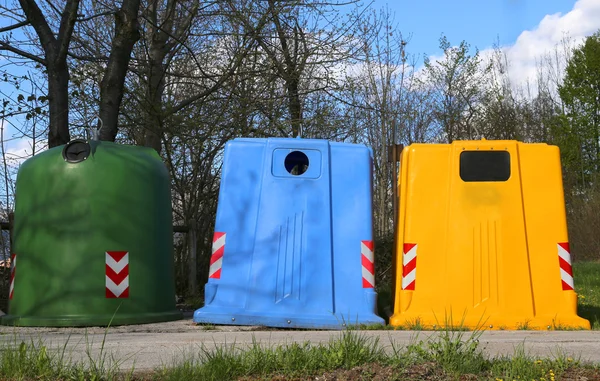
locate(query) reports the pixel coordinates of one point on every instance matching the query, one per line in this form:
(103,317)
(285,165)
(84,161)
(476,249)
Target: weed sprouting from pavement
(449,353)
(453,353)
(28,358)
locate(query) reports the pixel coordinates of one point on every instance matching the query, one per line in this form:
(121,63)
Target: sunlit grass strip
(450,353)
(33,360)
(587,286)
(229,362)
(454,353)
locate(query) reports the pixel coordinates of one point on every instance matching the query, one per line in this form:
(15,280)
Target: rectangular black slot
(484,166)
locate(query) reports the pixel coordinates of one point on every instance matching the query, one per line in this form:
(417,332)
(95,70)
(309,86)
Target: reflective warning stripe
(13,261)
(368,264)
(409,266)
(566,271)
(216,259)
(117,274)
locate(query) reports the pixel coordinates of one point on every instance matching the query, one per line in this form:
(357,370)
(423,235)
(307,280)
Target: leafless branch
(10,48)
(14,26)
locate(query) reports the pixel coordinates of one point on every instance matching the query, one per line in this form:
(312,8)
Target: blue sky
(479,22)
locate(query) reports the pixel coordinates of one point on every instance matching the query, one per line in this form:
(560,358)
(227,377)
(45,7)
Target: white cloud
(20,149)
(555,34)
(532,45)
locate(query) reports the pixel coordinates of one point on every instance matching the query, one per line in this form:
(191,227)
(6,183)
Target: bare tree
(111,88)
(456,81)
(500,114)
(302,43)
(385,67)
(55,46)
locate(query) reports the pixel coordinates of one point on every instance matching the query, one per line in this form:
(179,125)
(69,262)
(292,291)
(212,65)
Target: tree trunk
(153,127)
(55,46)
(163,37)
(111,89)
(155,91)
(295,106)
(58,91)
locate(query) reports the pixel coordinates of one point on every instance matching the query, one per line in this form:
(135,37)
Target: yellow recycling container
(482,238)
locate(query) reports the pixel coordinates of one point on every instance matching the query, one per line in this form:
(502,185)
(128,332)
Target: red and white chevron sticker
(117,274)
(566,271)
(13,262)
(368,264)
(409,266)
(216,260)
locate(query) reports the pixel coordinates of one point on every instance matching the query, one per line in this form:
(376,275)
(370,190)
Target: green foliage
(578,130)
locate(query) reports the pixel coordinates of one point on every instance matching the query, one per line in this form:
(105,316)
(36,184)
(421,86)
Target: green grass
(452,353)
(521,366)
(587,285)
(229,362)
(448,355)
(33,360)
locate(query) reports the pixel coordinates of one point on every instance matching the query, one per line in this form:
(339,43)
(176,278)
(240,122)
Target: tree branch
(107,13)
(210,90)
(87,58)
(54,8)
(5,46)
(67,24)
(38,21)
(282,37)
(187,21)
(15,26)
(254,32)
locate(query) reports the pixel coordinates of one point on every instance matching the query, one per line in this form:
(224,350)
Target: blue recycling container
(293,241)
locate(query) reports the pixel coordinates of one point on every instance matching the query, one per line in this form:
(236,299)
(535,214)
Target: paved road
(152,345)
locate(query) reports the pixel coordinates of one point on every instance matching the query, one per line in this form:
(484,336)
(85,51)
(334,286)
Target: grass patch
(33,360)
(230,362)
(353,355)
(454,352)
(587,285)
(524,367)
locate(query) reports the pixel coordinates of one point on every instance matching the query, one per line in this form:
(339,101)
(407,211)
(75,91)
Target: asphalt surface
(149,346)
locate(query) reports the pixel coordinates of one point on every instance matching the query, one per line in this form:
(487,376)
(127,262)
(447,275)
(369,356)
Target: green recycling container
(93,239)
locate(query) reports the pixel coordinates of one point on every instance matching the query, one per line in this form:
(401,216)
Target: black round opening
(76,151)
(296,163)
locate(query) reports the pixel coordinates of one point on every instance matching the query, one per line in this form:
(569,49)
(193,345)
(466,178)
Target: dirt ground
(421,372)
